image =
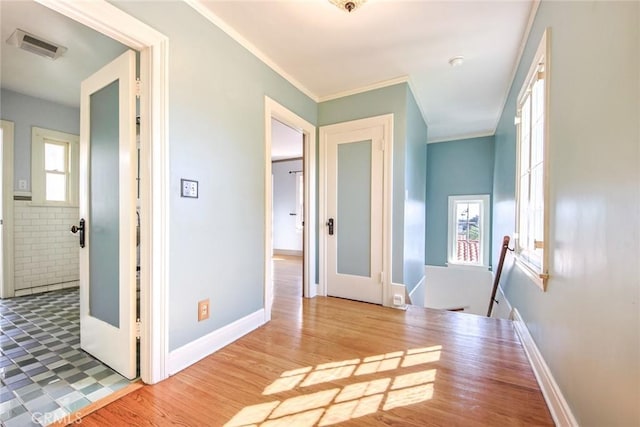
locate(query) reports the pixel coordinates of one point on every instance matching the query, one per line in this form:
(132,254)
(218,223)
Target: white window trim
(485,209)
(38,175)
(540,275)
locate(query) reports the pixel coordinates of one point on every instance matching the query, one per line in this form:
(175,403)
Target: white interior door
(354,213)
(108,159)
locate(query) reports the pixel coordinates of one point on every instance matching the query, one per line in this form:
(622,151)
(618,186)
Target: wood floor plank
(329,361)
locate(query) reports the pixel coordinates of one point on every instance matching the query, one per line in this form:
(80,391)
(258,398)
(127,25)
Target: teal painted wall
(216,136)
(454,168)
(587,323)
(415,191)
(26,111)
(390,99)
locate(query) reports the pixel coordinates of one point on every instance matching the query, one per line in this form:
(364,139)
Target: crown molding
(200,7)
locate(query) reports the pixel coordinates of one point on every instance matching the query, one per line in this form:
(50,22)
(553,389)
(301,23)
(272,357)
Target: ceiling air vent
(35,44)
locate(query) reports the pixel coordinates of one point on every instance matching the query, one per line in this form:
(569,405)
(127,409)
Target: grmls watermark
(56,417)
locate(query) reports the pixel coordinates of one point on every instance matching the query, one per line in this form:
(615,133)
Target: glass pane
(55,157)
(353,222)
(56,187)
(525,135)
(468,232)
(103,221)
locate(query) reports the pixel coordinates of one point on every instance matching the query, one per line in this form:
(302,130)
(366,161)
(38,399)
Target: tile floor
(44,375)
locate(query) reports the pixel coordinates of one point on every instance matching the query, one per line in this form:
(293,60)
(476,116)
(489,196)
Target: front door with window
(107,230)
(354,211)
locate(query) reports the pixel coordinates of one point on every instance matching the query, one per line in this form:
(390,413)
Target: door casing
(275,110)
(154,153)
(7,286)
(386,121)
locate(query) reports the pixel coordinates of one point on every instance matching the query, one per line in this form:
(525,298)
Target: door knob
(330,225)
(80,230)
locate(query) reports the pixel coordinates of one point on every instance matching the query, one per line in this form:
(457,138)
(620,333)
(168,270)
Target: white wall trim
(8,130)
(558,406)
(202,9)
(273,109)
(154,65)
(462,136)
(367,88)
(197,350)
(523,43)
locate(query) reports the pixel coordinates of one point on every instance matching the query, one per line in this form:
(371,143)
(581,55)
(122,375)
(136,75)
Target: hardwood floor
(327,361)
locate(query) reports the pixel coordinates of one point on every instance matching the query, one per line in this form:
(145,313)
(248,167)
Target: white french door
(354,210)
(107,229)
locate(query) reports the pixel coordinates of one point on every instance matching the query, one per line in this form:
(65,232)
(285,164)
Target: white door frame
(386,121)
(274,110)
(154,234)
(7,287)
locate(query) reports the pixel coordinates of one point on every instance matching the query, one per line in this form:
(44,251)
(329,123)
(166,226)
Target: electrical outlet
(203,310)
(22,184)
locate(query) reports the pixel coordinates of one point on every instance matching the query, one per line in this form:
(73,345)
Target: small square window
(468,230)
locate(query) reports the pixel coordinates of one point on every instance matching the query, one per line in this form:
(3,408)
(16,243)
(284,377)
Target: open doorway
(274,112)
(287,168)
(114,24)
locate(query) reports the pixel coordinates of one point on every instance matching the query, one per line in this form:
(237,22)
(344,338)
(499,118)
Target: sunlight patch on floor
(340,404)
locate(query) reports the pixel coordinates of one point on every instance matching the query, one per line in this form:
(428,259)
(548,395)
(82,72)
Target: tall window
(54,167)
(469,230)
(531,121)
(56,170)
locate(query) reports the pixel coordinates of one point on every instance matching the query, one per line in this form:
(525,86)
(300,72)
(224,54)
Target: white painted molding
(203,10)
(394,289)
(558,406)
(462,136)
(197,350)
(7,288)
(367,88)
(274,110)
(154,105)
(514,69)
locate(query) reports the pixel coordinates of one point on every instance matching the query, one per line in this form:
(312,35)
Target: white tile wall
(45,251)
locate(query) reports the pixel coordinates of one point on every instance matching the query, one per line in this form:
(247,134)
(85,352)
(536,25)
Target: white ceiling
(324,51)
(33,75)
(328,52)
(286,143)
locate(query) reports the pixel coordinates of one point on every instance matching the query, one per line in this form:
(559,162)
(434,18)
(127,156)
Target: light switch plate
(189,188)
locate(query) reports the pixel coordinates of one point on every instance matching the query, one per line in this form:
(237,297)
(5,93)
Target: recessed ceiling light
(456,61)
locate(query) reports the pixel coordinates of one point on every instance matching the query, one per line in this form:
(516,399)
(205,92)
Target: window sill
(536,277)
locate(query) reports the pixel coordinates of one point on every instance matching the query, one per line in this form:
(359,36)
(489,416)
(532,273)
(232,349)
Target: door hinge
(138,87)
(138,327)
(382,144)
(516,120)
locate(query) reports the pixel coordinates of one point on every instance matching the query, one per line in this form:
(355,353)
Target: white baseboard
(398,289)
(560,411)
(197,350)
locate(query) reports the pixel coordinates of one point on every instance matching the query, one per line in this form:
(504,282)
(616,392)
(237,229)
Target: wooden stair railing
(496,280)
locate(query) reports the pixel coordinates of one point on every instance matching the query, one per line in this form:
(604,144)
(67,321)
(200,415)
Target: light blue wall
(216,136)
(454,168)
(587,323)
(390,99)
(26,111)
(415,190)
(285,234)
